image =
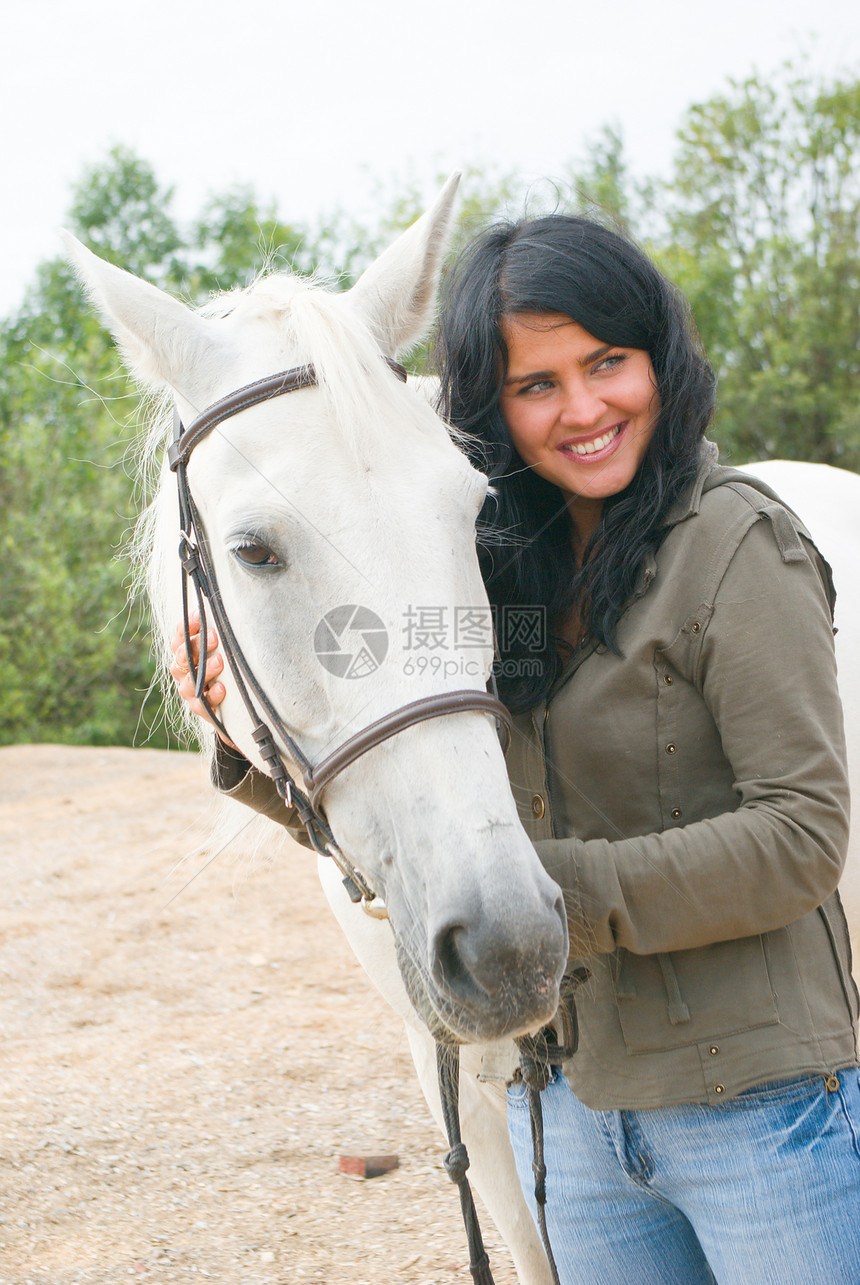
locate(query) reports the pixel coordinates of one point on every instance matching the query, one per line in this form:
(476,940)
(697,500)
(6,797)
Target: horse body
(352,493)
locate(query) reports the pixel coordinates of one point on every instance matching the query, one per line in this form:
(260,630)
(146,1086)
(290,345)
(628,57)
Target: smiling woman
(679,763)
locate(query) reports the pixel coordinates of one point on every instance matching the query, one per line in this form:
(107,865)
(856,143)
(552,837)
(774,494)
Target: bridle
(198,568)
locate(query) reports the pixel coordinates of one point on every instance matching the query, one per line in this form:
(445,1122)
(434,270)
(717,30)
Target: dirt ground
(187,1051)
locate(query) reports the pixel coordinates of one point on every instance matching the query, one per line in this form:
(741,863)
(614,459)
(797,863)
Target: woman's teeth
(589,448)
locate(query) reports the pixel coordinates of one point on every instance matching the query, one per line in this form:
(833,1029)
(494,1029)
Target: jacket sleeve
(233,775)
(767,673)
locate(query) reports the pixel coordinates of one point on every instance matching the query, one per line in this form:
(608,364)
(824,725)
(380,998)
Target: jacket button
(671,748)
(719,1089)
(695,627)
(714,1050)
(676,812)
(538,806)
(668,679)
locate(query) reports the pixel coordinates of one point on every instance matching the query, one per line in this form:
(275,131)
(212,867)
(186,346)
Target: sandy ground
(182,1066)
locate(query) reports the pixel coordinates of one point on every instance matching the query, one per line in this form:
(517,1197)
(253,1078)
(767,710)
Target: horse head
(340,522)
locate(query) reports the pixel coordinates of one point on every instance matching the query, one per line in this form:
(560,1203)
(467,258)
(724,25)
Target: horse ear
(159,337)
(397,293)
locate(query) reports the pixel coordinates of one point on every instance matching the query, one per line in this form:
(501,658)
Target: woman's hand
(215,690)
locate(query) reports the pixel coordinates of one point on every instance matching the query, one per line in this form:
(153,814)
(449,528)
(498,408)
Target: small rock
(367,1166)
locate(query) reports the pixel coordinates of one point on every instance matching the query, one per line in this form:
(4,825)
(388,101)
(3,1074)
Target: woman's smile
(595,446)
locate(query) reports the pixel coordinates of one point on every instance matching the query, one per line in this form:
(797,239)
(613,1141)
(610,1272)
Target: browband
(261,390)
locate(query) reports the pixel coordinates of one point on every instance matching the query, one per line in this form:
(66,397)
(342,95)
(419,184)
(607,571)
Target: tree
(234,239)
(73,661)
(119,210)
(764,239)
(602,187)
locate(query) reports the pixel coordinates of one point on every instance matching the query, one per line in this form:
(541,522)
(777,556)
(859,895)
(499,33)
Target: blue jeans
(761,1190)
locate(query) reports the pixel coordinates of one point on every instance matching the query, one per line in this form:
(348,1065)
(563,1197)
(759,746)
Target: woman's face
(580,412)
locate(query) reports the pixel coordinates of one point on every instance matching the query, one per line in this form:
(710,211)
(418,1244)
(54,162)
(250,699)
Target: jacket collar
(688,505)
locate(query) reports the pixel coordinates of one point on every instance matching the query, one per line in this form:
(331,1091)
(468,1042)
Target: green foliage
(234,239)
(120,212)
(601,184)
(74,657)
(764,239)
(760,227)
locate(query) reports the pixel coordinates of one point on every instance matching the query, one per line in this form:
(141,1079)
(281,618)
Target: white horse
(353,492)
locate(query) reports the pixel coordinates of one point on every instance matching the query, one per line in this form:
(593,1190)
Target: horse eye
(255,555)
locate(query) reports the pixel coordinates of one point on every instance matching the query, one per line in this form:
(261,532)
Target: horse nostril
(450,970)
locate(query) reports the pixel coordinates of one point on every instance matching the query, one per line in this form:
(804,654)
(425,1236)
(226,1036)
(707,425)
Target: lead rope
(538,1054)
(535,1070)
(457,1159)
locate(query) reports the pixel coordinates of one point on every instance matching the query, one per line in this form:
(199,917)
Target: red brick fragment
(367,1166)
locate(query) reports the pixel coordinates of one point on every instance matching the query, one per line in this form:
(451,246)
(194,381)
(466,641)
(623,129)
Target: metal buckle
(373,907)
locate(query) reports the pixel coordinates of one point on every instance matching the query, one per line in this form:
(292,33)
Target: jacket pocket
(693,996)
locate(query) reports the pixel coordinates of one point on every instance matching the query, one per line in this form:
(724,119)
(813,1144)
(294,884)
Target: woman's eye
(612,362)
(540,386)
(255,555)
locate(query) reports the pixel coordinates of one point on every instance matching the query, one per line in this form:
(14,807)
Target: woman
(680,769)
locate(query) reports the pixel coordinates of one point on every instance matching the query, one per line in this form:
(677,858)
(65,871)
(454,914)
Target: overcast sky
(311,102)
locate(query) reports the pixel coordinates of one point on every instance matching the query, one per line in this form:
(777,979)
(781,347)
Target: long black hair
(577,267)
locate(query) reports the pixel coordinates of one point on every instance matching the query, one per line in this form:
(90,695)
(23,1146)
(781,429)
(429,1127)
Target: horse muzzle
(481,978)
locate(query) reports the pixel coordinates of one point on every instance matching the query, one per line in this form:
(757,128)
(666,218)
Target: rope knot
(534,1061)
(539,1171)
(534,1072)
(457,1162)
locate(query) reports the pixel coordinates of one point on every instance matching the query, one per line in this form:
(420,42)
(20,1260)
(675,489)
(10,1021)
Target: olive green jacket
(690,797)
